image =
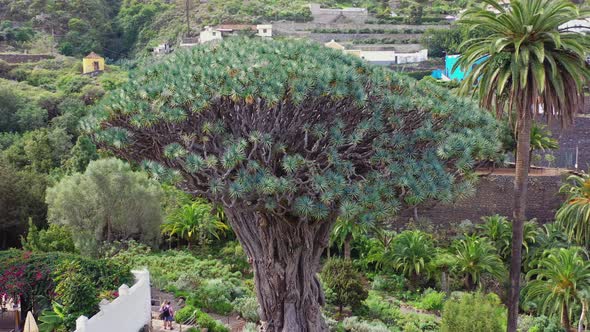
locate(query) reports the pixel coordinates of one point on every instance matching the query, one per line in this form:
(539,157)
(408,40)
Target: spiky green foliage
(498,230)
(410,253)
(295,129)
(529,64)
(556,281)
(473,257)
(574,214)
(194,223)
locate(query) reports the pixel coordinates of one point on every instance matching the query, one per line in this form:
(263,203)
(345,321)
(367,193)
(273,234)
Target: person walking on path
(167,314)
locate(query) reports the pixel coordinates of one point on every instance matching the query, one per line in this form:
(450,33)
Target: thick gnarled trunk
(520,198)
(285,254)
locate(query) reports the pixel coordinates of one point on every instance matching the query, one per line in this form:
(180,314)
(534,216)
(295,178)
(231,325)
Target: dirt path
(235,323)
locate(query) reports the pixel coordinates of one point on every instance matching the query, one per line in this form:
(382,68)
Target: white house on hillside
(264,30)
(209,34)
(382,58)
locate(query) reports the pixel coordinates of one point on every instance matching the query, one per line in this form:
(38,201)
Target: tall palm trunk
(565,318)
(347,248)
(582,321)
(520,195)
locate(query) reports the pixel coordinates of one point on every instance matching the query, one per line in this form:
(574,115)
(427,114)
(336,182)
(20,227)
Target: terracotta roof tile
(93,55)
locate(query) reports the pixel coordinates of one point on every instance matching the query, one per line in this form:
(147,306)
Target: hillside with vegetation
(128,28)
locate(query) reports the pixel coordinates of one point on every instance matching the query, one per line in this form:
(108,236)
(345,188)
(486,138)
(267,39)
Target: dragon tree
(287,136)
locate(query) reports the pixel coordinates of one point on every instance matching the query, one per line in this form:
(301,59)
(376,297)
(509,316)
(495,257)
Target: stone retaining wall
(22,58)
(494,195)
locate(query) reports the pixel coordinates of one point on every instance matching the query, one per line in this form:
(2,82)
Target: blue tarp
(457,74)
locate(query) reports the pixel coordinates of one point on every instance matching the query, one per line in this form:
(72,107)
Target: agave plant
(475,256)
(574,214)
(556,282)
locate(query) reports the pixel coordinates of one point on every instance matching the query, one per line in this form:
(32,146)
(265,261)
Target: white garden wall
(127,313)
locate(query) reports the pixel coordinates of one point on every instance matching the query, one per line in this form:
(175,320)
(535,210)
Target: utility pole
(188,21)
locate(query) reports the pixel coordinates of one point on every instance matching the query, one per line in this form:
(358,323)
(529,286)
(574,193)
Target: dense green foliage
(108,202)
(557,282)
(474,257)
(473,312)
(574,214)
(345,283)
(54,238)
(40,108)
(75,292)
(194,222)
(411,251)
(38,279)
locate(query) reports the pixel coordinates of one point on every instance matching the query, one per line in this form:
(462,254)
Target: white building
(209,34)
(162,49)
(264,30)
(382,58)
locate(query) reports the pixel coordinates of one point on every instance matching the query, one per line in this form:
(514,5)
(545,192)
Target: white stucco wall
(209,34)
(264,30)
(412,57)
(127,313)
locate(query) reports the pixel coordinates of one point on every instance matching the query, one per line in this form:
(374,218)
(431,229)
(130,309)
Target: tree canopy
(295,129)
(107,202)
(287,136)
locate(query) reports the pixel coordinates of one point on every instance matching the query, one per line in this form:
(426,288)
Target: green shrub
(414,322)
(247,307)
(376,307)
(345,282)
(205,321)
(184,314)
(392,283)
(473,312)
(251,327)
(75,291)
(72,83)
(216,295)
(545,324)
(55,238)
(431,300)
(354,324)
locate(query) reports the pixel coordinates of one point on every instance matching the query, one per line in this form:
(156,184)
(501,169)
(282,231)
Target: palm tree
(475,256)
(574,214)
(345,231)
(194,222)
(410,253)
(550,236)
(498,230)
(556,282)
(527,66)
(541,139)
(380,249)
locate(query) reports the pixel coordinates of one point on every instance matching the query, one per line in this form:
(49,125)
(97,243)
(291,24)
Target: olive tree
(108,202)
(287,136)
